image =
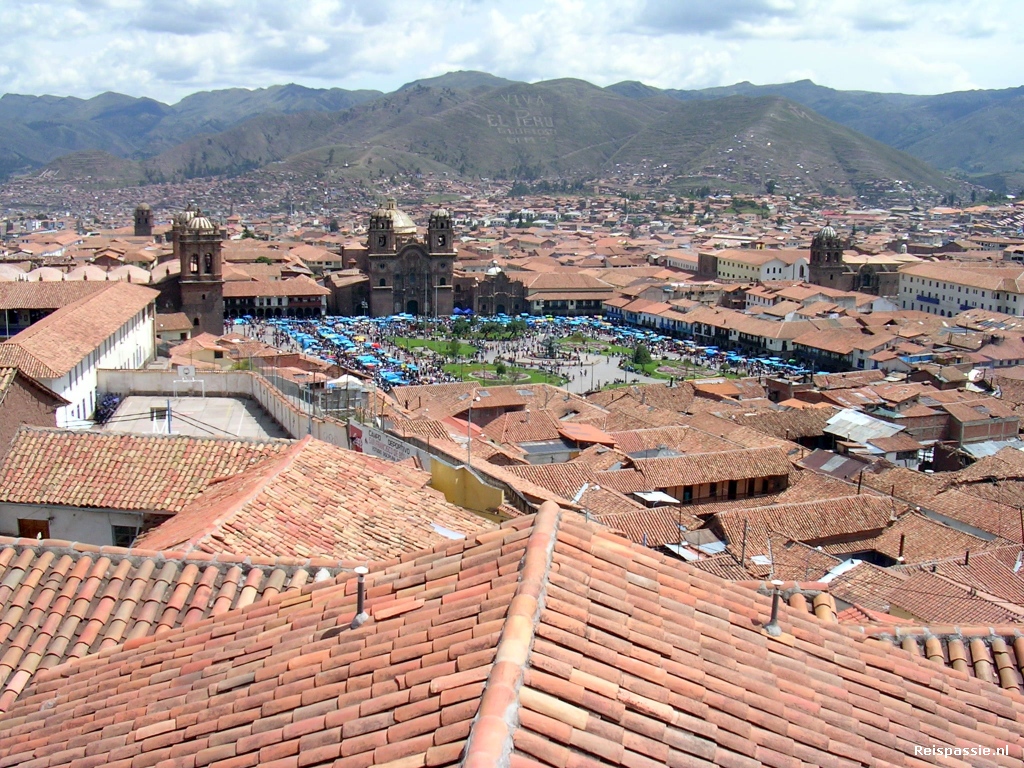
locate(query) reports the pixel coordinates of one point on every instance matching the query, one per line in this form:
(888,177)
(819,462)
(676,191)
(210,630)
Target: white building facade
(947,289)
(762,264)
(112,328)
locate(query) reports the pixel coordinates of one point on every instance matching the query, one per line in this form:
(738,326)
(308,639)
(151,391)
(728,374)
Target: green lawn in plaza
(442,346)
(471,372)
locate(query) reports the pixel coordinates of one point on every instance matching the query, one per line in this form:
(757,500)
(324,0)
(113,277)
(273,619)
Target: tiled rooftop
(61,600)
(156,473)
(315,499)
(54,345)
(697,468)
(964,504)
(844,520)
(548,642)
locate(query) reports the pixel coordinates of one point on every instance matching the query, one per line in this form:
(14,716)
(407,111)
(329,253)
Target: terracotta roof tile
(697,468)
(60,600)
(55,344)
(604,654)
(315,499)
(150,473)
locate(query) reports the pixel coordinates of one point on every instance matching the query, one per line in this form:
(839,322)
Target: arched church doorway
(412,307)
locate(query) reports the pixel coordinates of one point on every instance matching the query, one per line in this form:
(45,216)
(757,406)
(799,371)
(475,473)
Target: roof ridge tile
(491,739)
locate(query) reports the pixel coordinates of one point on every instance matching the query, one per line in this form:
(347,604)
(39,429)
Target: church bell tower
(198,243)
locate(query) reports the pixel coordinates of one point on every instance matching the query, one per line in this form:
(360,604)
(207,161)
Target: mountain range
(802,136)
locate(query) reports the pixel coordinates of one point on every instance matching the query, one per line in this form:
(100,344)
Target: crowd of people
(559,346)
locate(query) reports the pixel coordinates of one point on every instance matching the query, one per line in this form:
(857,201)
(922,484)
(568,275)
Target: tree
(264,260)
(460,328)
(247,234)
(641,355)
(769,186)
(491,329)
(500,370)
(454,347)
(517,327)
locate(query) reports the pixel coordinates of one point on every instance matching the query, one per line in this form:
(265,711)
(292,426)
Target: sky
(167,50)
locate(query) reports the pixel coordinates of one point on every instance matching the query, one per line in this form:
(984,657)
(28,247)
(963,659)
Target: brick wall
(23,404)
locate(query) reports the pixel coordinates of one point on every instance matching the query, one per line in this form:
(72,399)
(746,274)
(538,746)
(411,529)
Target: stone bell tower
(143,221)
(198,243)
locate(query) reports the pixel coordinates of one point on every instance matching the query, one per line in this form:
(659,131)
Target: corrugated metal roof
(854,425)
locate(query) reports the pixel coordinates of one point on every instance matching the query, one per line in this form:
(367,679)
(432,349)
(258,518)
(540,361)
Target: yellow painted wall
(462,488)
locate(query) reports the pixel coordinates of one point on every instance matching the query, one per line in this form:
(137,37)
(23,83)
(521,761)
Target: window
(123,535)
(713,490)
(34,529)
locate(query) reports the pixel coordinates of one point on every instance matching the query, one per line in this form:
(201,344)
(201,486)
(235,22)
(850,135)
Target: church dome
(182,219)
(441,213)
(827,233)
(401,222)
(143,207)
(494,269)
(201,224)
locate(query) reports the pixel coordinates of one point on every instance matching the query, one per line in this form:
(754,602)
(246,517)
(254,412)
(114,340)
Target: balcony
(927,299)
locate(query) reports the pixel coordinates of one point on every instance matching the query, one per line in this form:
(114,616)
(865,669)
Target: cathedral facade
(408,274)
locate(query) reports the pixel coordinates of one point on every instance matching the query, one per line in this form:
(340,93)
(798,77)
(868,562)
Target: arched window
(208,260)
(194,266)
(444,281)
(383,282)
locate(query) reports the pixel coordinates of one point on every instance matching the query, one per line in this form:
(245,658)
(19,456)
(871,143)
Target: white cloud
(168,49)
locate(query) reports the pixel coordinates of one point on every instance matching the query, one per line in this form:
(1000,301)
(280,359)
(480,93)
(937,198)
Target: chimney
(772,627)
(361,616)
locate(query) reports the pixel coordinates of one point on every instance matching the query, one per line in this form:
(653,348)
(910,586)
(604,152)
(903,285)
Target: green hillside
(802,135)
(971,132)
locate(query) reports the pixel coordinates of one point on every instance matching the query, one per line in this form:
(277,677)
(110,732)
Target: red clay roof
(61,600)
(697,468)
(548,642)
(313,500)
(154,473)
(54,345)
(585,433)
